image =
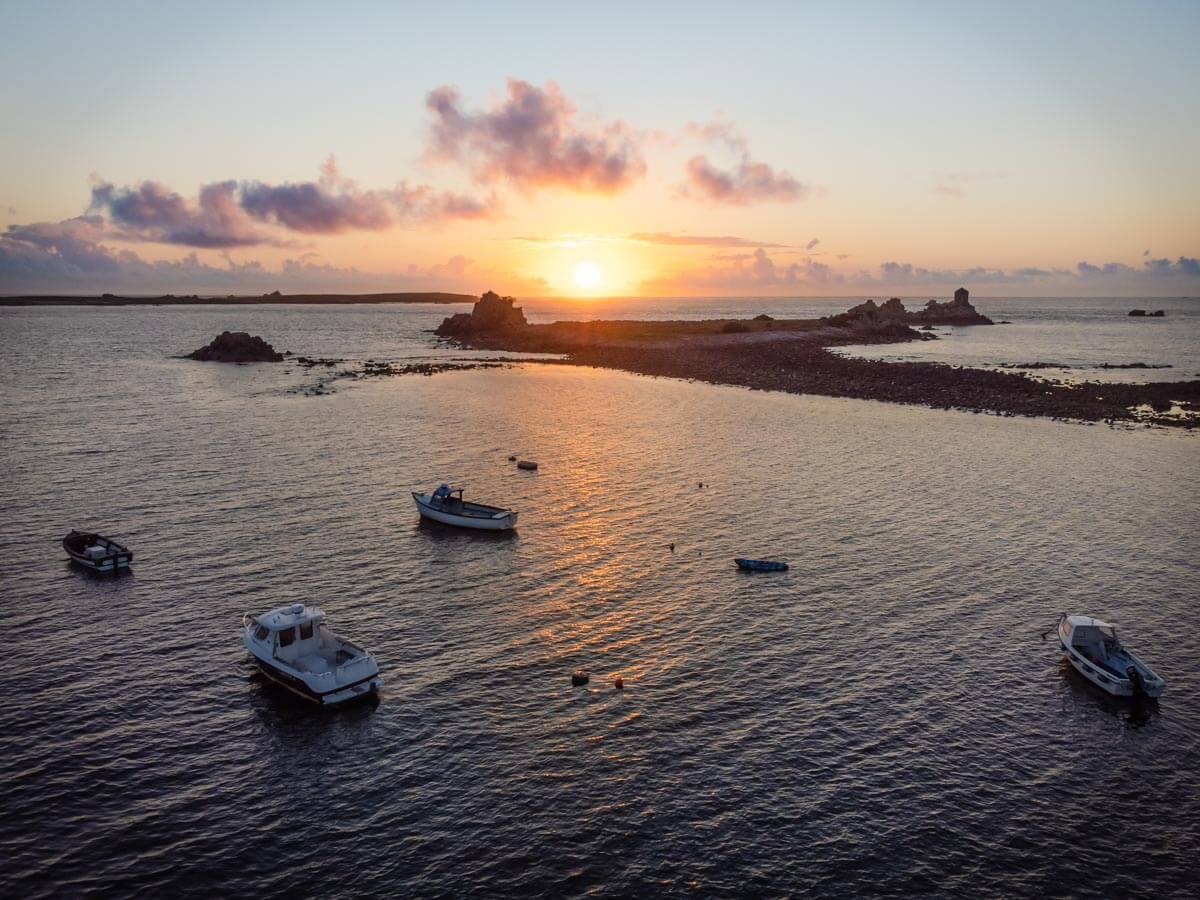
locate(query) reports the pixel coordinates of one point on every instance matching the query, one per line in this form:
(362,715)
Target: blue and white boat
(447,506)
(1099,656)
(760,565)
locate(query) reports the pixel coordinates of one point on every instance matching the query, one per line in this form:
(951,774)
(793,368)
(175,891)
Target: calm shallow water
(882,719)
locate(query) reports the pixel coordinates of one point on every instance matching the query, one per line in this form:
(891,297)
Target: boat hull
(108,564)
(359,690)
(760,565)
(505,523)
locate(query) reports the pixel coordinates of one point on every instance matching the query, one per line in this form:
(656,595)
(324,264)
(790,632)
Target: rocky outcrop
(236,347)
(491,313)
(958,311)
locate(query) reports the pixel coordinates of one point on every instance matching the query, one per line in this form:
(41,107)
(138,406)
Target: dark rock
(1137,312)
(491,313)
(763,317)
(1159,313)
(236,347)
(958,311)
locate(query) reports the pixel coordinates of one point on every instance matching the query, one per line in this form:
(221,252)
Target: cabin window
(286,637)
(305,630)
(260,632)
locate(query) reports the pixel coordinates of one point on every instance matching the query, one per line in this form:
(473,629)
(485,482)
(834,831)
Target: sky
(616,149)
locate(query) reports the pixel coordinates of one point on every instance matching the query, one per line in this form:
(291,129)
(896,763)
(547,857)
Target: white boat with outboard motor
(447,506)
(1098,655)
(293,648)
(96,552)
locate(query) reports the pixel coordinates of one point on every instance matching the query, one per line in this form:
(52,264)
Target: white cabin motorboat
(293,647)
(1097,654)
(96,552)
(446,505)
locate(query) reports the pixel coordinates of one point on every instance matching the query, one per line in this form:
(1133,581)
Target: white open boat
(293,648)
(446,505)
(96,552)
(1097,654)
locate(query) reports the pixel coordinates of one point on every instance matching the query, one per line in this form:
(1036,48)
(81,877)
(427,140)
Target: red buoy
(619,684)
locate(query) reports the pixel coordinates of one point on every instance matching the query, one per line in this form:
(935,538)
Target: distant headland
(237,300)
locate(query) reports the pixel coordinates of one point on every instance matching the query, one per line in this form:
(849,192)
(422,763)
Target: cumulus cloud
(747,182)
(335,204)
(1183,267)
(69,257)
(531,140)
(229,214)
(149,211)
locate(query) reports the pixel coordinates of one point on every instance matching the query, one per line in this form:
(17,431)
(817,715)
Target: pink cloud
(150,211)
(335,204)
(747,182)
(532,141)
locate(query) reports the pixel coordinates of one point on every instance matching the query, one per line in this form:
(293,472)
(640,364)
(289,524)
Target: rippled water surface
(883,719)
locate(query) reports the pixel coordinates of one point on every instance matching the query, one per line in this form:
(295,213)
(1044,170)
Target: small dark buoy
(700,484)
(579,677)
(619,683)
(672,546)
(512,459)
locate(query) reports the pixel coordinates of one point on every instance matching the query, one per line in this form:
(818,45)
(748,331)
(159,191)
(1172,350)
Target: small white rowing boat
(1097,654)
(294,649)
(96,552)
(446,505)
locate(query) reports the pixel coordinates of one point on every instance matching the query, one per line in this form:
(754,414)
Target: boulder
(491,313)
(236,347)
(1137,312)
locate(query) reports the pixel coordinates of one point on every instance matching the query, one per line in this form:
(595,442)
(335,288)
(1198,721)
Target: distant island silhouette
(235,299)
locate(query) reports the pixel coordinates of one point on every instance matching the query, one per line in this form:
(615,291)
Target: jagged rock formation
(236,347)
(491,313)
(958,311)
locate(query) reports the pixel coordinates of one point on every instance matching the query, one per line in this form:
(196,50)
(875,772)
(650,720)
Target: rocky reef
(236,347)
(491,313)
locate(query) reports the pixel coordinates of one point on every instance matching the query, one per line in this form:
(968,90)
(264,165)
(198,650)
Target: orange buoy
(619,684)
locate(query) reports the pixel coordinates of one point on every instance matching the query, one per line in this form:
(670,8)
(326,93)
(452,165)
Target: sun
(587,275)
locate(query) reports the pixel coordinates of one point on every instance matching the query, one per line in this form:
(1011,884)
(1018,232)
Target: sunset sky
(601,149)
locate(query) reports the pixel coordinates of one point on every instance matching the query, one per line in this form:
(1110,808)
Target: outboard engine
(1137,681)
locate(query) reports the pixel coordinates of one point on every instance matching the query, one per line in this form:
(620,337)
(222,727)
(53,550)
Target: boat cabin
(1093,638)
(296,636)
